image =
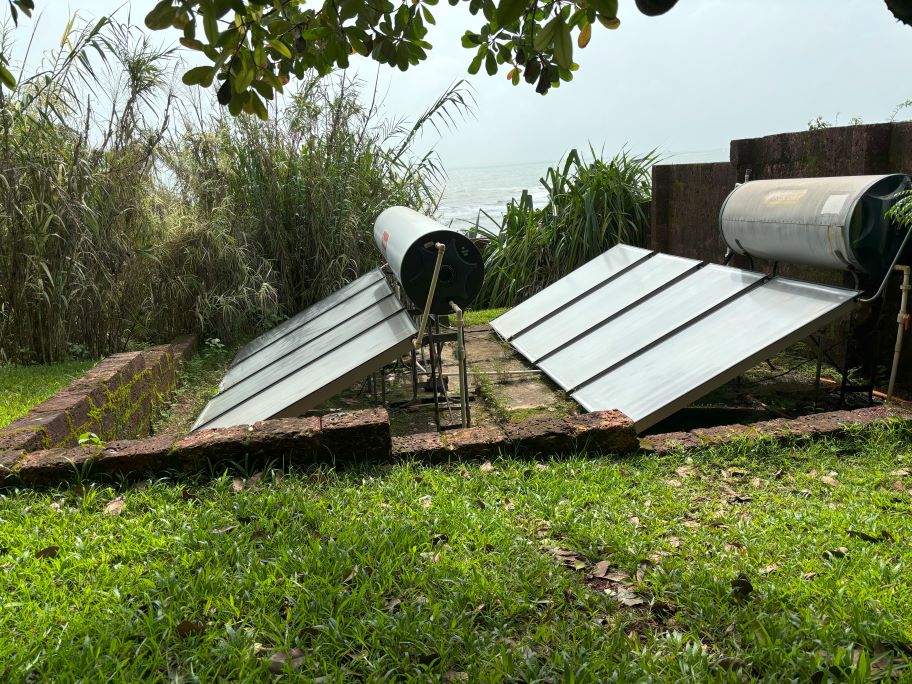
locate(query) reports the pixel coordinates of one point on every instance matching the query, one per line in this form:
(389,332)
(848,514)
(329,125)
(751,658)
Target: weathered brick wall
(114,400)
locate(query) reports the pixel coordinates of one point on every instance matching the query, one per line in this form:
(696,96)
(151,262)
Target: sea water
(481,194)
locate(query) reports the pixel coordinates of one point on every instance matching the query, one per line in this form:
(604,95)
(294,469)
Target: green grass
(477,573)
(197,383)
(483,315)
(22,387)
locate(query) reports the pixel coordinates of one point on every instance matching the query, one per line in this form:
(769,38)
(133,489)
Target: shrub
(591,206)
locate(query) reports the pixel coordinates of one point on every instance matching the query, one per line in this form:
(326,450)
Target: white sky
(685,83)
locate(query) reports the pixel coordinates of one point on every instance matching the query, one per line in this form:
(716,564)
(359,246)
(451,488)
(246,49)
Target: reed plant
(130,213)
(592,204)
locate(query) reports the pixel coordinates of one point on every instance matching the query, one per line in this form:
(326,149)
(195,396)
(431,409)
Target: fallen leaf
(393,603)
(733,473)
(454,676)
(829,481)
(740,498)
(190,628)
(809,575)
(741,587)
(618,576)
(641,571)
(294,657)
(49,552)
(224,530)
(237,485)
(486,467)
(425,501)
(684,471)
(693,524)
(626,597)
(541,466)
(770,569)
(634,520)
(647,503)
(254,480)
(778,474)
(864,536)
(836,553)
(509,505)
(353,574)
(902,472)
(601,569)
(675,542)
(756,483)
(579,564)
(674,483)
(899,486)
(114,506)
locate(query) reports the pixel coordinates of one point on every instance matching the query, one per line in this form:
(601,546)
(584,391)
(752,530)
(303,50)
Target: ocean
(472,190)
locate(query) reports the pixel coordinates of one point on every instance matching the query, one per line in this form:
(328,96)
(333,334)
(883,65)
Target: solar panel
(587,277)
(650,335)
(601,304)
(714,349)
(314,356)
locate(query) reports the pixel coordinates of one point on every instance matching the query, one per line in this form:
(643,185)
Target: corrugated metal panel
(344,338)
(600,305)
(590,275)
(645,324)
(714,349)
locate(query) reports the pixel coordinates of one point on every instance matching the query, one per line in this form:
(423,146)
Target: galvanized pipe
(441,248)
(461,360)
(901,319)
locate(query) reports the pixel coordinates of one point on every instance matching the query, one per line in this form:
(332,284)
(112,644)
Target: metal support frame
(463,367)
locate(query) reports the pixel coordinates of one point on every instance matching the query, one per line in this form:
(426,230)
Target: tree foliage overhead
(257,46)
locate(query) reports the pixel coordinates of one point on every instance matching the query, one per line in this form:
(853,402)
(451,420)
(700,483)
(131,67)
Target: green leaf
(509,11)
(201,75)
(161,15)
(545,35)
(280,47)
(192,43)
(476,63)
(607,8)
(490,64)
(6,78)
(563,46)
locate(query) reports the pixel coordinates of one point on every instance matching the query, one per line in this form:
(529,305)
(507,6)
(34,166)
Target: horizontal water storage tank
(833,222)
(407,241)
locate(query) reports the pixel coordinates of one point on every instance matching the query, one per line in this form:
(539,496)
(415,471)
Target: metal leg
(414,375)
(817,372)
(432,350)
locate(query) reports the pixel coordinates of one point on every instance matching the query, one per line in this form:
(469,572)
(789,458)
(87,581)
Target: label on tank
(784,197)
(834,204)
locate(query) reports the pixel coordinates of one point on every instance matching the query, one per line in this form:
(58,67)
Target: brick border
(114,399)
(811,426)
(339,437)
(365,436)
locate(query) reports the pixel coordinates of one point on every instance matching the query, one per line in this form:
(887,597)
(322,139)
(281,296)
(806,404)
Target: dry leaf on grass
(48,552)
(454,676)
(486,467)
(770,569)
(902,472)
(829,481)
(294,657)
(899,486)
(188,628)
(237,485)
(841,552)
(864,536)
(674,483)
(684,471)
(634,520)
(601,569)
(425,501)
(114,506)
(741,587)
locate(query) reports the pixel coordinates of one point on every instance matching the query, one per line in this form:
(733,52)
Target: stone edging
(812,426)
(365,436)
(114,399)
(355,436)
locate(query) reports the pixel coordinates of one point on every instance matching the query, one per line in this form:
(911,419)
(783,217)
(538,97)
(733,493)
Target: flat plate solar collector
(647,333)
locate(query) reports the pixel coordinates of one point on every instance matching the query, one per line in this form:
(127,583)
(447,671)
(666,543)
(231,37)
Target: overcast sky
(685,83)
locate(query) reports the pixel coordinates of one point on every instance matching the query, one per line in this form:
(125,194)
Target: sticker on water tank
(784,196)
(834,204)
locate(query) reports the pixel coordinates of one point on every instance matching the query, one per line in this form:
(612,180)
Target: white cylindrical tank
(407,241)
(836,222)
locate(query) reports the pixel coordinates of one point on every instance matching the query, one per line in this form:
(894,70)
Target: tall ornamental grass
(592,205)
(127,217)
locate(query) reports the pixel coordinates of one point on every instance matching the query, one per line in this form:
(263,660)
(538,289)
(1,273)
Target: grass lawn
(751,561)
(22,387)
(483,315)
